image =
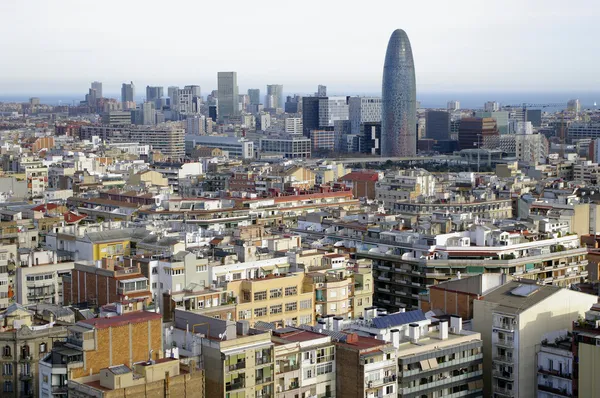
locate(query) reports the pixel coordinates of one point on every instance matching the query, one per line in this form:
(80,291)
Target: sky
(60,46)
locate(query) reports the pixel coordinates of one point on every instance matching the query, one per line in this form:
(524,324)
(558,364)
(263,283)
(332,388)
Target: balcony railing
(239,365)
(556,373)
(502,358)
(505,342)
(503,325)
(25,376)
(263,360)
(503,374)
(234,386)
(262,380)
(563,392)
(503,392)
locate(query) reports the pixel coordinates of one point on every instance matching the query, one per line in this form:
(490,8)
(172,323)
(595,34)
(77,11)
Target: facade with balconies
(513,319)
(304,364)
(555,363)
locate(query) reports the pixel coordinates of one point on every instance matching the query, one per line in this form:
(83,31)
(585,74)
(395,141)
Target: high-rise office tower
(153,93)
(310,114)
(437,125)
(321,91)
(363,110)
(399,95)
(254,94)
(187,100)
(274,96)
(453,105)
(171,91)
(91,97)
(98,87)
(227,92)
(574,106)
(491,106)
(127,92)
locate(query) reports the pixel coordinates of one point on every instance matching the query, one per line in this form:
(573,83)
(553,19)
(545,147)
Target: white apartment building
(41,283)
(133,148)
(293,125)
(555,366)
(512,320)
(532,148)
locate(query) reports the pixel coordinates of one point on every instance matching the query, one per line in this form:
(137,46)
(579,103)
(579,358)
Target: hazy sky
(60,46)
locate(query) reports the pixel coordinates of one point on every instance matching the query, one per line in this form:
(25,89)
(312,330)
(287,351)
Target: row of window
(276,293)
(277,309)
(25,351)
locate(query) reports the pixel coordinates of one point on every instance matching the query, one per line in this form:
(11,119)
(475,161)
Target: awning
(425,365)
(433,363)
(268,268)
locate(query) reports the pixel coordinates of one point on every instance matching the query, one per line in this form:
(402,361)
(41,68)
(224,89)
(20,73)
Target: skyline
(476,58)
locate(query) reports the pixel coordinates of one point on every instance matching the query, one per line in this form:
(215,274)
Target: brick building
(362,183)
(106,284)
(99,343)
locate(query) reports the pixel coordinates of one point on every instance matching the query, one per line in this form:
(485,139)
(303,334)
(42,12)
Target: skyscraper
(321,91)
(437,125)
(127,93)
(254,94)
(274,96)
(98,87)
(399,99)
(153,93)
(227,91)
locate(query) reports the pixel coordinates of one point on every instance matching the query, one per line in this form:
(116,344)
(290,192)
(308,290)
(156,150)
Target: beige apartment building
(284,300)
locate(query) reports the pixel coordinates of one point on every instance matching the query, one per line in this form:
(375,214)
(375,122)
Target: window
(276,309)
(359,301)
(201,268)
(325,368)
(236,276)
(291,291)
(306,304)
(7,369)
(309,374)
(275,293)
(6,352)
(389,390)
(25,351)
(293,306)
(8,387)
(153,285)
(42,347)
(258,312)
(244,314)
(258,296)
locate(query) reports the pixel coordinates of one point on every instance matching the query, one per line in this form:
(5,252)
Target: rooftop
(122,320)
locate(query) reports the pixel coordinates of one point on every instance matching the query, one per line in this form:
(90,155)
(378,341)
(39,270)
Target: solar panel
(399,318)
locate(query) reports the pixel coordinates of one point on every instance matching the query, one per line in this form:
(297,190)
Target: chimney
(322,325)
(242,327)
(443,328)
(455,324)
(413,332)
(367,317)
(337,322)
(395,337)
(402,308)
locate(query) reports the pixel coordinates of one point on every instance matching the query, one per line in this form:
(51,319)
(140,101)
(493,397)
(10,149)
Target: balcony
(556,373)
(503,392)
(506,342)
(563,392)
(59,389)
(504,325)
(502,358)
(503,375)
(263,360)
(262,380)
(236,366)
(25,376)
(235,386)
(25,358)
(441,383)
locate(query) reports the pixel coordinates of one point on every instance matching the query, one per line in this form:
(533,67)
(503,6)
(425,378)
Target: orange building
(118,340)
(41,143)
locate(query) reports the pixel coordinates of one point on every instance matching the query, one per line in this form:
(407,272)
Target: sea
(468,100)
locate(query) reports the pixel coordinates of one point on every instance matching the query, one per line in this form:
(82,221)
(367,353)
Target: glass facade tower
(399,99)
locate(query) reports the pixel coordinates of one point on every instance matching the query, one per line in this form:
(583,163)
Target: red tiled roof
(46,207)
(71,218)
(361,176)
(122,320)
